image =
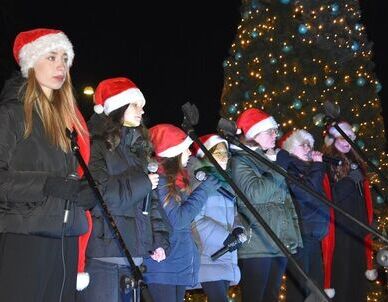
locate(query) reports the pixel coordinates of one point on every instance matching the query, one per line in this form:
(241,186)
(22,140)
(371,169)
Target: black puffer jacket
(25,164)
(123,182)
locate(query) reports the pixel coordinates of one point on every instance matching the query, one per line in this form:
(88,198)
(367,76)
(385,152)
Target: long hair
(57,113)
(112,134)
(176,178)
(339,172)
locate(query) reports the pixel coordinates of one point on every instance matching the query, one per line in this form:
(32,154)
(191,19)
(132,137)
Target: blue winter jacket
(181,266)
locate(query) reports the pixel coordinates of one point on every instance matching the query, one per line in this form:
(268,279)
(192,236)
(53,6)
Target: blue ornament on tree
(245,15)
(225,63)
(318,119)
(355,46)
(361,81)
(355,127)
(334,8)
(360,143)
(261,89)
(378,87)
(375,162)
(302,29)
(238,56)
(255,4)
(254,34)
(232,109)
(329,81)
(247,95)
(379,199)
(287,48)
(358,26)
(297,104)
(273,61)
(284,1)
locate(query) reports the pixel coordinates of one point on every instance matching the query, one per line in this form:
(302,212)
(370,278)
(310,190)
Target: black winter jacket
(25,163)
(123,182)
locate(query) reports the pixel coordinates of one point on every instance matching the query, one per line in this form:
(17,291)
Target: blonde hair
(57,113)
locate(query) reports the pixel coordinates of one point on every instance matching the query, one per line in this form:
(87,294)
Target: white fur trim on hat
(296,138)
(83,280)
(261,126)
(330,292)
(210,143)
(345,127)
(177,149)
(129,96)
(371,274)
(32,51)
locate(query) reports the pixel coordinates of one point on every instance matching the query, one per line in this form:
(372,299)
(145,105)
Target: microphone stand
(137,280)
(235,141)
(190,113)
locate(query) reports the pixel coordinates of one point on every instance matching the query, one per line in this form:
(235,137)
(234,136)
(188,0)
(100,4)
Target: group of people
(57,243)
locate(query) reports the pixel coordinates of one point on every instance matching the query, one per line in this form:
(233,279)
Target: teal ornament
(261,89)
(318,119)
(355,46)
(255,4)
(360,144)
(273,61)
(238,56)
(334,8)
(297,104)
(245,15)
(232,109)
(361,81)
(287,48)
(378,87)
(329,81)
(225,63)
(254,34)
(302,29)
(284,1)
(247,95)
(355,127)
(379,199)
(375,162)
(358,26)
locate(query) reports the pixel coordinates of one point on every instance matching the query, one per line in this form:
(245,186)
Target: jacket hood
(12,88)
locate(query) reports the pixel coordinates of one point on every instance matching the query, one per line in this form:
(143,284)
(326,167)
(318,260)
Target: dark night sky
(172,50)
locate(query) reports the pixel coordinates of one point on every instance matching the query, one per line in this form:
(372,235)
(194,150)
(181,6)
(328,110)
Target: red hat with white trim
(209,141)
(30,45)
(169,140)
(253,121)
(111,94)
(294,138)
(333,133)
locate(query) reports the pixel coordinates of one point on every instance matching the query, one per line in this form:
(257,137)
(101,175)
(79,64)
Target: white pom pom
(330,292)
(371,274)
(98,109)
(238,131)
(83,280)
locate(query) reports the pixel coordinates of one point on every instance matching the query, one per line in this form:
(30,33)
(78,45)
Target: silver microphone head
(200,175)
(152,166)
(242,237)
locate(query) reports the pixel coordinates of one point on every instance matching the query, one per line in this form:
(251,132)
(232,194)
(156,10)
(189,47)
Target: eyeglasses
(272,131)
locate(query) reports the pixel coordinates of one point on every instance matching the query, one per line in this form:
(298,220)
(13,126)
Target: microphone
(358,178)
(73,177)
(152,167)
(332,160)
(240,238)
(201,176)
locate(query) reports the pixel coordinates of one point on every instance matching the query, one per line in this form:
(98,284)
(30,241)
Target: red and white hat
(111,94)
(169,140)
(209,141)
(333,133)
(30,45)
(253,121)
(295,138)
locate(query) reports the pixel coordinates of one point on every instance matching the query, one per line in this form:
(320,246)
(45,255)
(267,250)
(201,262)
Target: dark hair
(172,169)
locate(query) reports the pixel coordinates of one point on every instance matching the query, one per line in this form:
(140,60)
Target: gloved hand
(211,183)
(61,187)
(86,197)
(233,240)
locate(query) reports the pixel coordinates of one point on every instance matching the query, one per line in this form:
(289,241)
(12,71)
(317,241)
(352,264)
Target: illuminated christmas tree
(289,57)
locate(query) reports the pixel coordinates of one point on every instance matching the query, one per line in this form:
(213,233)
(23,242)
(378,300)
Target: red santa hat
(332,133)
(294,138)
(253,121)
(111,94)
(169,140)
(209,141)
(30,45)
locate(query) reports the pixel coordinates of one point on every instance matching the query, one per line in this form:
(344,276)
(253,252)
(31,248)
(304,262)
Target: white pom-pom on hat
(83,280)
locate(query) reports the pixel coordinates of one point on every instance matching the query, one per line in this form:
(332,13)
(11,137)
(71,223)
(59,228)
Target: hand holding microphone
(231,243)
(317,156)
(214,184)
(152,167)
